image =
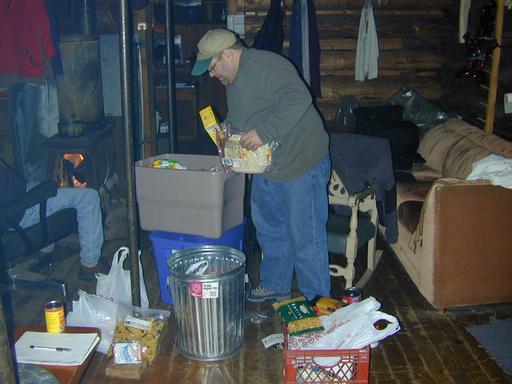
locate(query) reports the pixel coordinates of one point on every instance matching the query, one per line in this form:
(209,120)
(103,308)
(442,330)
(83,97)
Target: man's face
(223,67)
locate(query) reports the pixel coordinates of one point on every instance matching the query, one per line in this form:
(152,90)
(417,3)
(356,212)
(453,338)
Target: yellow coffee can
(54,316)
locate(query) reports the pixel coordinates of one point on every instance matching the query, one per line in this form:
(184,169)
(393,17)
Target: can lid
(53,304)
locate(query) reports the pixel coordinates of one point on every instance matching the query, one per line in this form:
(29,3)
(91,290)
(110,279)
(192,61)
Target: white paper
(270,340)
(41,348)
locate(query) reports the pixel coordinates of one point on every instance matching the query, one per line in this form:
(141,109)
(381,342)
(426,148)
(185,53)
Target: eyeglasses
(211,68)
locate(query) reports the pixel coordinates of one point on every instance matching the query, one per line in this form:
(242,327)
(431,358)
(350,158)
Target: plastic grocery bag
(117,285)
(359,331)
(352,327)
(97,312)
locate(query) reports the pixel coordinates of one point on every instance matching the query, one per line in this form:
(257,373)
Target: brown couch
(455,236)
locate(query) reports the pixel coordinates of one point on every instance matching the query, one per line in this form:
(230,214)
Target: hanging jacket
(314,51)
(271,35)
(367,54)
(304,50)
(25,38)
(295,48)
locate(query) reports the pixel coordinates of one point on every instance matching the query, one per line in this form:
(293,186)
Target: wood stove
(87,160)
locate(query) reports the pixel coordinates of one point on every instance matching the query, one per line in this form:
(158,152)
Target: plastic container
(203,200)
(166,243)
(209,307)
(348,366)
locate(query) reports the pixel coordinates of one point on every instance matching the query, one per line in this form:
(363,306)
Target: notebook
(55,348)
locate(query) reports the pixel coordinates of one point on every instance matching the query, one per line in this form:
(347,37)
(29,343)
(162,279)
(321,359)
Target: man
(268,101)
(86,201)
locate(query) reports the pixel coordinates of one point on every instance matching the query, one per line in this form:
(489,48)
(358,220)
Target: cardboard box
(201,200)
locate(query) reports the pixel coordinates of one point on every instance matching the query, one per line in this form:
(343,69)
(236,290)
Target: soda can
(54,316)
(351,295)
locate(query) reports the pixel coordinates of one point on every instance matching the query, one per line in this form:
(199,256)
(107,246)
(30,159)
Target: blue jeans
(290,219)
(86,201)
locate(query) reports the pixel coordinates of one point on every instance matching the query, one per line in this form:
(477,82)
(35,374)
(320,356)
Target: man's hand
(251,140)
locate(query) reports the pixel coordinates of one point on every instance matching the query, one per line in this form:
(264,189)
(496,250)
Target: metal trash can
(209,307)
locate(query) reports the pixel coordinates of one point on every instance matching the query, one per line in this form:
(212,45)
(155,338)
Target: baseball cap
(211,44)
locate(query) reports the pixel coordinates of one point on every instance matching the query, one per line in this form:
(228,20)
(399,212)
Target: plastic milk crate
(343,366)
(202,200)
(166,243)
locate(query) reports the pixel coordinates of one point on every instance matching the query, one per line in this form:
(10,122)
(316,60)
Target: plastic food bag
(117,284)
(240,159)
(97,312)
(298,315)
(136,339)
(232,154)
(352,327)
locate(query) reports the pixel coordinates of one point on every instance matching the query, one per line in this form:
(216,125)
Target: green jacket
(269,96)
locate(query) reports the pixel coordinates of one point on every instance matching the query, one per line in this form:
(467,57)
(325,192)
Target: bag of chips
(298,315)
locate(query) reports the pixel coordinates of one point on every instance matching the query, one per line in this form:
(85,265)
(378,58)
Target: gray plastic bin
(202,200)
(210,307)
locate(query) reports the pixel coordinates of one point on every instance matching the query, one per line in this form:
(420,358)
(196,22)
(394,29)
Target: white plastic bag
(117,285)
(358,331)
(352,327)
(97,312)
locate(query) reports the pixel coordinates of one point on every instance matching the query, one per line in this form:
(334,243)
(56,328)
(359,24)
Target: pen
(44,348)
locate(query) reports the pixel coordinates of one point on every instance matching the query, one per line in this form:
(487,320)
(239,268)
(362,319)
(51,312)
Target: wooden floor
(432,347)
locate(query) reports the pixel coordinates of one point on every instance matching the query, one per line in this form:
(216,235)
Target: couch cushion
(437,142)
(460,158)
(454,146)
(424,173)
(474,147)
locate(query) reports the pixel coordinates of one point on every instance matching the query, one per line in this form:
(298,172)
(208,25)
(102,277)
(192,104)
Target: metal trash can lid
(223,262)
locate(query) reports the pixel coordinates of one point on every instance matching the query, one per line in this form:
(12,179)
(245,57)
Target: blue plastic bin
(166,243)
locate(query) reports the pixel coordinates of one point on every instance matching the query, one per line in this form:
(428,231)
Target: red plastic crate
(300,366)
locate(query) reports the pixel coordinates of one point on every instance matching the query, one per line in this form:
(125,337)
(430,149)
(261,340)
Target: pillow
(460,158)
(436,143)
(474,147)
(498,146)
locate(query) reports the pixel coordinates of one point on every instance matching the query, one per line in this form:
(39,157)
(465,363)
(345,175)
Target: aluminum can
(351,295)
(54,316)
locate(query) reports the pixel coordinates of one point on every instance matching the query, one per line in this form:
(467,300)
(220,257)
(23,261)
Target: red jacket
(25,37)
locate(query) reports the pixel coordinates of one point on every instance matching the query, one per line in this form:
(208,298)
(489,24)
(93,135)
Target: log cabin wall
(419,48)
(409,34)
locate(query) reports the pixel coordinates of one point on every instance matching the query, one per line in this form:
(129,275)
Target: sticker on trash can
(204,290)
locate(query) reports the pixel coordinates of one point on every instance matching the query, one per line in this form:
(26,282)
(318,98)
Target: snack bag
(299,316)
(243,160)
(167,164)
(136,340)
(325,305)
(232,154)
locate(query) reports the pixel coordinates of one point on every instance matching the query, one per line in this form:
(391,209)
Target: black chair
(17,244)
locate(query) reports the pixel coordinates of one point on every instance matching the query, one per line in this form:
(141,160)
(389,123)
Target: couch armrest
(465,235)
